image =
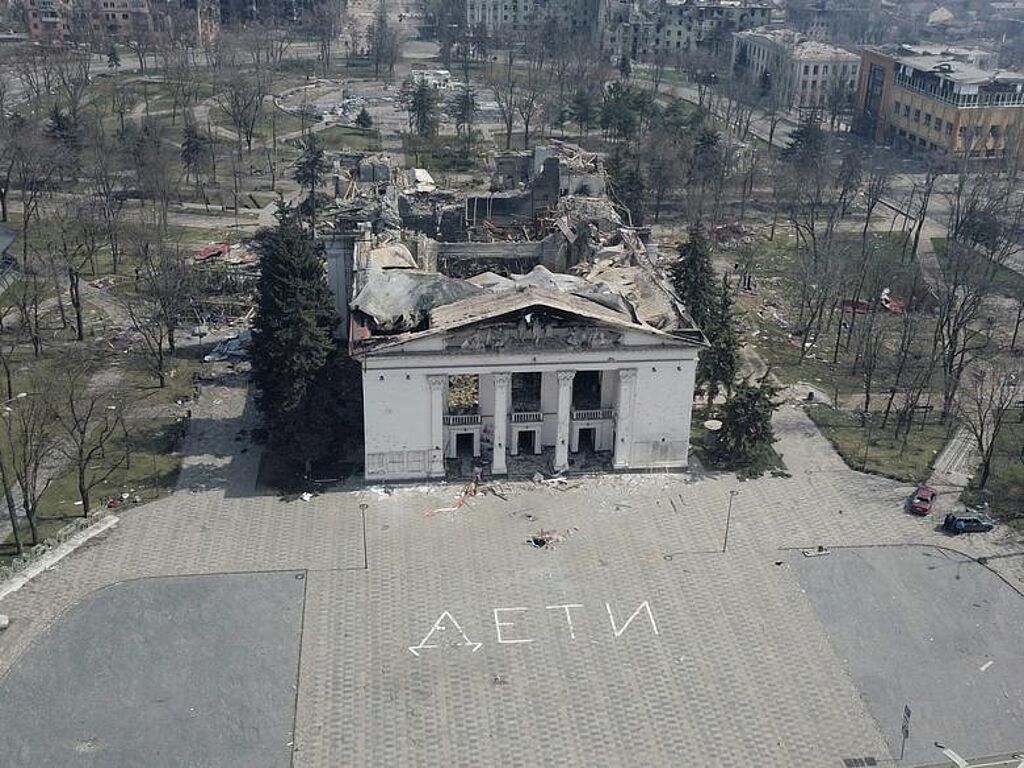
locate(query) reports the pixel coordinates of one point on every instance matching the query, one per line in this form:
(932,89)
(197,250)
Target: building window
(949,128)
(917,115)
(994,131)
(927,120)
(814,83)
(815,69)
(824,69)
(807,69)
(896,108)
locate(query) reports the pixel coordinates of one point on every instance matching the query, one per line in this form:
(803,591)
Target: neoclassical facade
(547,373)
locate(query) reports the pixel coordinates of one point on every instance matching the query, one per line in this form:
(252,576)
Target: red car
(921,502)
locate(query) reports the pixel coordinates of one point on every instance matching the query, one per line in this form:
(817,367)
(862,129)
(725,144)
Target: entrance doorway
(588,440)
(525,441)
(464,445)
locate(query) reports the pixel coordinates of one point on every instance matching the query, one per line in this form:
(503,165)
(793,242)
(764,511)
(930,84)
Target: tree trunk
(12,510)
(76,302)
(30,515)
(83,487)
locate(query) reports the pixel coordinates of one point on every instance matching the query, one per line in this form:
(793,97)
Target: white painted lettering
(644,606)
(568,615)
(498,624)
(444,623)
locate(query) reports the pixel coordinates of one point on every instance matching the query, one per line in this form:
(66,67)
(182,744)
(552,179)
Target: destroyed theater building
(518,328)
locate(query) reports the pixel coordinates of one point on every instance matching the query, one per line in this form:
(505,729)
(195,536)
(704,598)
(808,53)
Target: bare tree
(241,98)
(506,94)
(88,419)
(384,41)
(984,217)
(166,282)
(29,438)
(326,25)
(148,322)
(73,82)
(982,407)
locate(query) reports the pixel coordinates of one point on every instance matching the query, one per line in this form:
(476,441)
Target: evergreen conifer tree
(718,364)
(693,277)
(296,359)
(747,432)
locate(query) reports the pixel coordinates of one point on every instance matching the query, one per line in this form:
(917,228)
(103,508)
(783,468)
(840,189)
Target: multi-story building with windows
(579,18)
(60,20)
(940,100)
(814,75)
(677,26)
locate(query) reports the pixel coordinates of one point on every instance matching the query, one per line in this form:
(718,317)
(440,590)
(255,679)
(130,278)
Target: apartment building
(580,18)
(812,73)
(61,20)
(677,26)
(948,101)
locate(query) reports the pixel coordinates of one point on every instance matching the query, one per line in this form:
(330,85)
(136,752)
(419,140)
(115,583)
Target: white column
(564,407)
(502,393)
(437,385)
(624,417)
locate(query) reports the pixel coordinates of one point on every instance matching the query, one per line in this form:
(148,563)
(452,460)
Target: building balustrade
(461,419)
(961,100)
(527,417)
(593,414)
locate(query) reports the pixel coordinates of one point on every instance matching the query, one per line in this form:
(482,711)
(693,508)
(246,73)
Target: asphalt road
(172,672)
(930,629)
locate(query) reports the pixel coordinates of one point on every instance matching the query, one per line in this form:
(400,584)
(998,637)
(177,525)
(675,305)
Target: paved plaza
(661,630)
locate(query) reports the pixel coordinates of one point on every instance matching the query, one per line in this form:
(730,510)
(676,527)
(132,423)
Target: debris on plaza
(818,552)
(544,539)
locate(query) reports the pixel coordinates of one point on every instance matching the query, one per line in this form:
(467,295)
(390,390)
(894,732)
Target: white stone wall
(398,411)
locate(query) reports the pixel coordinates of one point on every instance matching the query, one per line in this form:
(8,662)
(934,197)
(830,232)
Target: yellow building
(943,102)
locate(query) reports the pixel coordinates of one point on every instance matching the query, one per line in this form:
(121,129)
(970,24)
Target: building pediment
(535,330)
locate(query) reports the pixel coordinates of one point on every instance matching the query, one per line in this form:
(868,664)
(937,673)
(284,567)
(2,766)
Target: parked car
(968,521)
(920,503)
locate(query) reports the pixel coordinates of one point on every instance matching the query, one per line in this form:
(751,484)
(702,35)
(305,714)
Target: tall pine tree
(296,358)
(747,433)
(719,363)
(693,277)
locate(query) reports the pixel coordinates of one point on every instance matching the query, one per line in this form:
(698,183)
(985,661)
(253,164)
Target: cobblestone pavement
(723,663)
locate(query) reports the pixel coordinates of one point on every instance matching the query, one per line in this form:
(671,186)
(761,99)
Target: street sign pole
(905,729)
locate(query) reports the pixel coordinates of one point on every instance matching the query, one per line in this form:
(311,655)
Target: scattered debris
(4,622)
(499,680)
(306,496)
(819,552)
(234,348)
(547,539)
(469,491)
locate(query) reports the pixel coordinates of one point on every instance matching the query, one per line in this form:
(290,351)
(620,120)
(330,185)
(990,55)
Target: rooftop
(799,45)
(956,71)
